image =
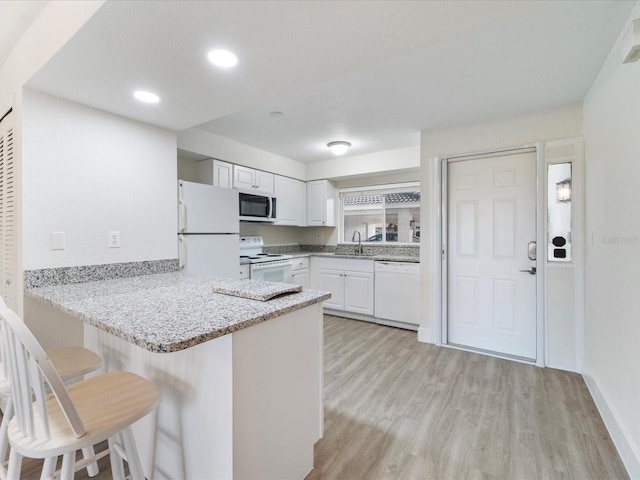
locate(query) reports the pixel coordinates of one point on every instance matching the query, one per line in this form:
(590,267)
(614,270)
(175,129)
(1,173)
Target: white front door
(491,210)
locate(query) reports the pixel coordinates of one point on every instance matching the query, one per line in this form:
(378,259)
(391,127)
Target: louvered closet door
(7,211)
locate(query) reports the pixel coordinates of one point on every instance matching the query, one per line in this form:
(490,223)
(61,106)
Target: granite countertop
(254,290)
(170,311)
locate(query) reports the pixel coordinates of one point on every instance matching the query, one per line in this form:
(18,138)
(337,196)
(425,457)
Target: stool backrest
(30,371)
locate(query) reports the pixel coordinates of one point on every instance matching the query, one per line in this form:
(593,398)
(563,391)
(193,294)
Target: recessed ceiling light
(338,148)
(222,58)
(147,97)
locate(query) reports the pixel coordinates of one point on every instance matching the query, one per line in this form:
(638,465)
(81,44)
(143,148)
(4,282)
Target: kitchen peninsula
(241,379)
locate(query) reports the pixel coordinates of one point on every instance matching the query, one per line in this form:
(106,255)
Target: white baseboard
(621,438)
(353,316)
(425,335)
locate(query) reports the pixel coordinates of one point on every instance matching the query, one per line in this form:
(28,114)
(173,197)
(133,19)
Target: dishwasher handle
(403,267)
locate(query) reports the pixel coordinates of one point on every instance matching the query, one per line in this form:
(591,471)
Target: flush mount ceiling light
(146,97)
(222,58)
(338,148)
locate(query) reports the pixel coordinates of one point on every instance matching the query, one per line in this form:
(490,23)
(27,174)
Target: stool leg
(133,459)
(117,467)
(4,438)
(92,468)
(15,464)
(68,466)
(48,468)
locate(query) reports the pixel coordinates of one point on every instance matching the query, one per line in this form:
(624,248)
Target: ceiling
(15,19)
(372,73)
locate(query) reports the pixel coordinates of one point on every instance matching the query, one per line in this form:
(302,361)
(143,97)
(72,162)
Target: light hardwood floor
(399,409)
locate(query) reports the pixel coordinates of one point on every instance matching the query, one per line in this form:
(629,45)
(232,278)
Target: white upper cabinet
(321,204)
(291,201)
(222,174)
(245,178)
(215,172)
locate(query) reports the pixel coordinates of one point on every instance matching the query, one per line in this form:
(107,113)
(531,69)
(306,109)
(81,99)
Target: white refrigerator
(208,230)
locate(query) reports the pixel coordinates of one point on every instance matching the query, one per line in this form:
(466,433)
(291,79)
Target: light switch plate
(57,240)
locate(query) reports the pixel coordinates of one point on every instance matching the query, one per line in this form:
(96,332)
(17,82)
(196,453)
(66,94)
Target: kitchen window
(381,213)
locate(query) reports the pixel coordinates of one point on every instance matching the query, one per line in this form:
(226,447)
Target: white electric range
(268,267)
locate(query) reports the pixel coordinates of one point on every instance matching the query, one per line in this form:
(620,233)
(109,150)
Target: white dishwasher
(397,294)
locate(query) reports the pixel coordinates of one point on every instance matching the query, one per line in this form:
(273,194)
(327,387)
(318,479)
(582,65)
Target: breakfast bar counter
(241,378)
(171,311)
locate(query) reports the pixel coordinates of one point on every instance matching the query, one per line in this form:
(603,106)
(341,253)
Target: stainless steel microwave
(257,207)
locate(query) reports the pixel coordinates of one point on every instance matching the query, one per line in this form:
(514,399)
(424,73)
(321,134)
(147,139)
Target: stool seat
(47,425)
(106,404)
(73,362)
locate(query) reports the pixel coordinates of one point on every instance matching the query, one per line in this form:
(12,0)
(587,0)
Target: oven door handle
(269,265)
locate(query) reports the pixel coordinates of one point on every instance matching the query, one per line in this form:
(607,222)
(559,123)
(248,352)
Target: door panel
(491,219)
(208,209)
(332,281)
(358,292)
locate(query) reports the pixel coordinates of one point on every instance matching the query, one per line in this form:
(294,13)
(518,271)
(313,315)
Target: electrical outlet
(114,239)
(319,236)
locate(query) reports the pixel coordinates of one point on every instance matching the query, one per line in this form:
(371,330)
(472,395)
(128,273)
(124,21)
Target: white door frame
(440,254)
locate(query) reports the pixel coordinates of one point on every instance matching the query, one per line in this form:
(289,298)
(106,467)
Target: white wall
(285,235)
(187,169)
(563,122)
(384,162)
(40,42)
(210,145)
(413,176)
(86,172)
(612,280)
(555,124)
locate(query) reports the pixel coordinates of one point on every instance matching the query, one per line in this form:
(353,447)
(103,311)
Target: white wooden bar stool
(71,363)
(71,418)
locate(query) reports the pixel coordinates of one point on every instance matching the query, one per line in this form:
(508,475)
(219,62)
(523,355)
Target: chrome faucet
(359,250)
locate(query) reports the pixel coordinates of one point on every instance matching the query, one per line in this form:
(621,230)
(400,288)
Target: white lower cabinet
(358,292)
(300,278)
(350,282)
(332,281)
(245,272)
(300,272)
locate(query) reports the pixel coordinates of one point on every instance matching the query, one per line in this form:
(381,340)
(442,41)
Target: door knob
(530,271)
